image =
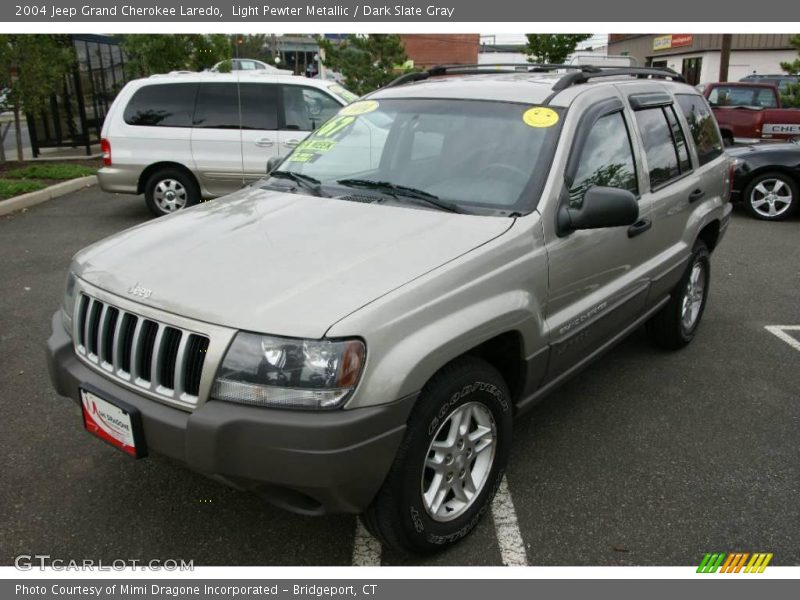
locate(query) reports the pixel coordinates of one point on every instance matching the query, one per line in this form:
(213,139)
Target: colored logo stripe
(734,562)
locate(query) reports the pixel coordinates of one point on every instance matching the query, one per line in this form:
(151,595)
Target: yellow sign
(540,116)
(662,42)
(359,108)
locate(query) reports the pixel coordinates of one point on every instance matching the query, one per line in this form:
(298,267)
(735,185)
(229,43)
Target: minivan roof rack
(579,73)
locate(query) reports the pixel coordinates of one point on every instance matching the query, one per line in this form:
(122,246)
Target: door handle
(639,227)
(696,195)
(291,143)
(265,143)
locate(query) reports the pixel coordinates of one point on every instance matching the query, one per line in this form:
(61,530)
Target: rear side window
(659,147)
(162,105)
(217,106)
(606,160)
(307,108)
(701,126)
(684,162)
(259,105)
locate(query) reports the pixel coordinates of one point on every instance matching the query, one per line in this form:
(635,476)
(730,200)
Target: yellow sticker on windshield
(359,108)
(540,117)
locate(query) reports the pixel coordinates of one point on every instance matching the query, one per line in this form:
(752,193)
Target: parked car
(767,179)
(359,331)
(181,138)
(247,64)
(749,112)
(780,80)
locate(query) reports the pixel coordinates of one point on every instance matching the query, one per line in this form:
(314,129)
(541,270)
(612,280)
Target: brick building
(431,49)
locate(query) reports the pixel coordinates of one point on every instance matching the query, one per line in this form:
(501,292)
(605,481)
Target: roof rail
(480,68)
(579,73)
(585,75)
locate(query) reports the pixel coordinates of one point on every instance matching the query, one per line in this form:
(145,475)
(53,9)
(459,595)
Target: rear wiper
(401,191)
(307,182)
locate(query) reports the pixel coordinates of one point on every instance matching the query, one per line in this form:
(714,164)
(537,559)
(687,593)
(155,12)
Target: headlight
(68,304)
(289,373)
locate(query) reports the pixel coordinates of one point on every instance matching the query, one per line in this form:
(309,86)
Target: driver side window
(606,160)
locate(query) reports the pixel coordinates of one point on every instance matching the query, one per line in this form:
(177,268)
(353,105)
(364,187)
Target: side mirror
(602,207)
(273,163)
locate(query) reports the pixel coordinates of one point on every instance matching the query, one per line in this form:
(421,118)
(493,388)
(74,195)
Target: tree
(32,68)
(252,46)
(366,62)
(149,54)
(791,96)
(552,48)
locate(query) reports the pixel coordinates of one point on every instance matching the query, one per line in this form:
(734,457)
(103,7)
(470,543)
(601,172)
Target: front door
(598,280)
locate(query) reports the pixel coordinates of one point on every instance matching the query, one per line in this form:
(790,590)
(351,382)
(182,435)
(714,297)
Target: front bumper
(306,462)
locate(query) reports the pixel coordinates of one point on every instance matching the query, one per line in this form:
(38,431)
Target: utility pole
(725,56)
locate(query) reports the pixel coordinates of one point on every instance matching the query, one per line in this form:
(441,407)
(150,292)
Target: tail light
(105,147)
(731,173)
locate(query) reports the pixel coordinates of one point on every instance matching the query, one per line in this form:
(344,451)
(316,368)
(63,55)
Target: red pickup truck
(750,112)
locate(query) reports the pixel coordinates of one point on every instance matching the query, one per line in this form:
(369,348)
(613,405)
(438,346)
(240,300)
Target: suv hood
(279,263)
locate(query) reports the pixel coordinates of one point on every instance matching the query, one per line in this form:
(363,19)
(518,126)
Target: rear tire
(675,325)
(170,190)
(450,463)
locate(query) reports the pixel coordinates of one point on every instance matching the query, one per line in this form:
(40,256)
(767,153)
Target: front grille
(163,359)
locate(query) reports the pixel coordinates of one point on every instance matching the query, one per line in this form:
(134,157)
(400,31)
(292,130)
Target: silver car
(185,137)
(358,331)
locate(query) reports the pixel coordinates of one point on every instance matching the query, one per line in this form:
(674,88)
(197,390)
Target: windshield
(474,156)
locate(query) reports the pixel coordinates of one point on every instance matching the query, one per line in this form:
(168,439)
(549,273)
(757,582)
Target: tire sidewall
(788,181)
(187,181)
(701,255)
(486,388)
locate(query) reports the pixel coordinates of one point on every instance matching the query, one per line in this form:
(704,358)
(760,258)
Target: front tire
(675,325)
(450,463)
(170,190)
(771,196)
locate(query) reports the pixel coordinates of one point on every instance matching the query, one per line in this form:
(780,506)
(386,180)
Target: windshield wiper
(401,191)
(311,184)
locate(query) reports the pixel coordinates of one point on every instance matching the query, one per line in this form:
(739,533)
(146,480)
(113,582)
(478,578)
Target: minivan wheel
(771,196)
(170,190)
(675,325)
(450,463)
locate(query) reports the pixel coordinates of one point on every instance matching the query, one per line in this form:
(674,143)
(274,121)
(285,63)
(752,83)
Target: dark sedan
(767,179)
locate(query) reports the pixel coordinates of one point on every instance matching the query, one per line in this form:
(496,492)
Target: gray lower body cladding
(306,462)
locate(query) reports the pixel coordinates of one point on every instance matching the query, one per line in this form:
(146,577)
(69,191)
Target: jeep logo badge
(143,292)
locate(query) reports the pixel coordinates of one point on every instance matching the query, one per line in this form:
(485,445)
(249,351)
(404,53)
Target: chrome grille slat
(180,365)
(162,360)
(116,341)
(156,355)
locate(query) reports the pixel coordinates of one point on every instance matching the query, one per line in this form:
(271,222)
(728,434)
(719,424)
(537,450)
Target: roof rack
(585,75)
(477,69)
(579,74)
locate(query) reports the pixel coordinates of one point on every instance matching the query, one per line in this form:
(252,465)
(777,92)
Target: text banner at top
(409,11)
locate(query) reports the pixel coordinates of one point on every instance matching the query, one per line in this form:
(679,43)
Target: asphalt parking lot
(646,458)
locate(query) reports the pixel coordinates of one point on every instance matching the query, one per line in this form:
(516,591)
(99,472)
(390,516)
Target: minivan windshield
(472,156)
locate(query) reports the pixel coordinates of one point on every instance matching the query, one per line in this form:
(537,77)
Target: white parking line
(366,549)
(780,332)
(512,548)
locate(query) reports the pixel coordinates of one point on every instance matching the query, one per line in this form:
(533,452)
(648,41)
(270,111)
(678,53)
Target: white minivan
(185,137)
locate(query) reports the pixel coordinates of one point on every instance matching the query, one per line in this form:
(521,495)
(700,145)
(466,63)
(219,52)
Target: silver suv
(358,331)
(185,137)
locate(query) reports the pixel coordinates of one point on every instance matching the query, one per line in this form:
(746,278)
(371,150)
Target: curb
(48,193)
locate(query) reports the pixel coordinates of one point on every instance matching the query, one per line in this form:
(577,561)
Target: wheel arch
(155,167)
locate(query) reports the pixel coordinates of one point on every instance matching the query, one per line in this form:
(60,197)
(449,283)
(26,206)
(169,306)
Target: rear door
(674,186)
(304,109)
(259,106)
(216,137)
